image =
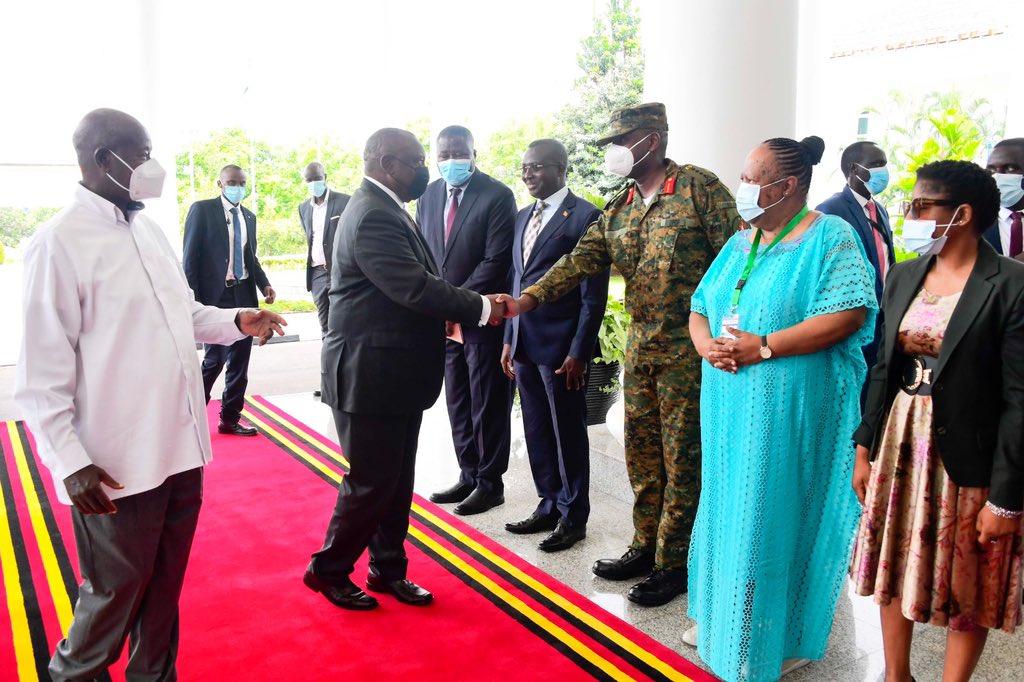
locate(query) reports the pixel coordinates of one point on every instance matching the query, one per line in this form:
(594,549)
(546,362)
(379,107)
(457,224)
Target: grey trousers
(321,287)
(133,565)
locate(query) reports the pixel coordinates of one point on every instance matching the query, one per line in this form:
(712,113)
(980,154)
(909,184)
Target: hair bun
(814,147)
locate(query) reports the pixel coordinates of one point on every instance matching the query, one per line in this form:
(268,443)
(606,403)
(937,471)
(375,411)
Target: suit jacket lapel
(420,246)
(469,195)
(522,220)
(307,219)
(560,218)
(973,298)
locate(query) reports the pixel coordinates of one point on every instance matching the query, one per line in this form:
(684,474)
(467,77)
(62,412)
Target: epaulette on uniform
(702,173)
(619,198)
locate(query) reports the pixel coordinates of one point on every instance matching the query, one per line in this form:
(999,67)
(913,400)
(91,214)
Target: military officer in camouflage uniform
(661,232)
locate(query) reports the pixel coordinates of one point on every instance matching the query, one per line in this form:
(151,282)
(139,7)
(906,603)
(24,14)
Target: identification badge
(729,321)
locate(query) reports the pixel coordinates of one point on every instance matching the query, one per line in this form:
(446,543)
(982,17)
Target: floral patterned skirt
(917,541)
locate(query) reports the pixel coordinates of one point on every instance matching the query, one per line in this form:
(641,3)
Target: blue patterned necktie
(236,259)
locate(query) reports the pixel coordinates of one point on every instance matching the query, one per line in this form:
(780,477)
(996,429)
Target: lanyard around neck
(752,258)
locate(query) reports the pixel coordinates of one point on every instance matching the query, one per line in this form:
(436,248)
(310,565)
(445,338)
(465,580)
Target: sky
(284,70)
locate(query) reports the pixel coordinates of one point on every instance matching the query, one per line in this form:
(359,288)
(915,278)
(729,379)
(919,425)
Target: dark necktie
(452,210)
(1016,236)
(236,257)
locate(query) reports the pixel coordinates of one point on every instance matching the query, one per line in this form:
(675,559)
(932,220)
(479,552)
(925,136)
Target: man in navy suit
(219,258)
(468,220)
(547,350)
(864,166)
(1006,164)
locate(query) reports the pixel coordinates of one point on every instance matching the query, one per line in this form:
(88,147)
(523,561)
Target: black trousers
(479,397)
(235,356)
(555,425)
(372,511)
(321,288)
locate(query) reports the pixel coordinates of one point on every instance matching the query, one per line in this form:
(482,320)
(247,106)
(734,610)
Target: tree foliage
(16,223)
(612,63)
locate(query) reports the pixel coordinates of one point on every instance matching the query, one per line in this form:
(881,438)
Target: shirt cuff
(485,314)
(71,459)
(536,292)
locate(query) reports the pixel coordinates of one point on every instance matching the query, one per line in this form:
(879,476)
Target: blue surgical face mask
(747,197)
(317,187)
(1010,190)
(917,235)
(456,172)
(234,193)
(878,180)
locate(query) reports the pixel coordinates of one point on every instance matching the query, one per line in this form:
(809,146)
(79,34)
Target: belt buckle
(921,375)
(230,283)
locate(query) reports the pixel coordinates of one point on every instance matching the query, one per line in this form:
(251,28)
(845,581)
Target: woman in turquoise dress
(773,533)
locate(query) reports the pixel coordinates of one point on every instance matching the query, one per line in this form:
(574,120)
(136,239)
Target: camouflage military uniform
(662,251)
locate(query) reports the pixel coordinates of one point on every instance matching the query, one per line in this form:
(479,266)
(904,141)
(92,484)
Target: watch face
(766,352)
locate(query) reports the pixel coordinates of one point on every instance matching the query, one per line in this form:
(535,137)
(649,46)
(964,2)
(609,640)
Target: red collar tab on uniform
(670,186)
(629,197)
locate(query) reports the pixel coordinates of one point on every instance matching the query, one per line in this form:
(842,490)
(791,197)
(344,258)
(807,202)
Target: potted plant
(603,386)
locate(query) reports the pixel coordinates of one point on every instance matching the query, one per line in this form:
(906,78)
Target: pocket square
(335,217)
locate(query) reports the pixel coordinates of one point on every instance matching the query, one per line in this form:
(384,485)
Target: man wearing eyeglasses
(547,351)
(864,166)
(468,218)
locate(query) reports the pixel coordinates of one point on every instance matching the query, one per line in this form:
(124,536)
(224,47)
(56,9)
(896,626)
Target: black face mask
(419,183)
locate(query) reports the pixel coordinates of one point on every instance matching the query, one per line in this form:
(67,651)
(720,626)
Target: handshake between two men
(504,306)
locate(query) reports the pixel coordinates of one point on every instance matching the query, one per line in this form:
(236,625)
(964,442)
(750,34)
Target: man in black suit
(219,258)
(468,219)
(547,351)
(319,215)
(863,164)
(382,363)
(1006,164)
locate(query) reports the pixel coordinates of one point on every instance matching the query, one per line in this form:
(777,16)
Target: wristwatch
(766,352)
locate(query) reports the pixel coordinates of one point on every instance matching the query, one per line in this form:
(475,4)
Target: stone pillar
(727,73)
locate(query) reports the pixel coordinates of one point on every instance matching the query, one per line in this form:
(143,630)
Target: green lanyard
(752,258)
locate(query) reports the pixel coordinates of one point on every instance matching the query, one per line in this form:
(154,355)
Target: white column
(726,71)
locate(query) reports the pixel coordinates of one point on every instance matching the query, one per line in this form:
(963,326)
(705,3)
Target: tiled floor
(855,646)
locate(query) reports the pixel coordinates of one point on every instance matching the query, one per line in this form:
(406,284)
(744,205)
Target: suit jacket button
(939,387)
(444,269)
(941,430)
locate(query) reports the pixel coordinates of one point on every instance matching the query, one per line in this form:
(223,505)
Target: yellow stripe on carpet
(15,598)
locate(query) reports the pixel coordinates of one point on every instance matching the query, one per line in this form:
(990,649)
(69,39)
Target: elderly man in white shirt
(123,433)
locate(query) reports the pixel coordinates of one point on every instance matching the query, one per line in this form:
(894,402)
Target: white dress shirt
(551,205)
(1004,230)
(319,219)
(485,314)
(229,219)
(108,373)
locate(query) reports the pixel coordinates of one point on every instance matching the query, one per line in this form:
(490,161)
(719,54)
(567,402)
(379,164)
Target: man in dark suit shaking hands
(547,351)
(382,363)
(468,219)
(219,258)
(319,215)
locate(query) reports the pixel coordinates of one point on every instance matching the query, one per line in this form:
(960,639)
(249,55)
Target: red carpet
(246,615)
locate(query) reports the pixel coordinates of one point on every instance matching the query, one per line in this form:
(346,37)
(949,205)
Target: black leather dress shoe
(563,537)
(457,493)
(405,591)
(346,596)
(236,429)
(480,501)
(635,562)
(316,393)
(660,587)
(535,524)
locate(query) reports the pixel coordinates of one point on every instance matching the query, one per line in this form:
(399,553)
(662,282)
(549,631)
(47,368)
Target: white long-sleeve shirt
(108,373)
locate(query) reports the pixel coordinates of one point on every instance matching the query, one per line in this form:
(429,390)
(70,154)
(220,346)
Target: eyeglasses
(537,167)
(915,206)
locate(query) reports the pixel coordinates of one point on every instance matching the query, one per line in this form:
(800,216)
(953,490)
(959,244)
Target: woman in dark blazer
(940,450)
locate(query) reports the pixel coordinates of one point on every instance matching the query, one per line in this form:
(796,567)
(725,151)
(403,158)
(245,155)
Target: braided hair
(797,158)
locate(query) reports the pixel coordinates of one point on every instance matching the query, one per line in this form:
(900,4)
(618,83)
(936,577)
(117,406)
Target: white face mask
(147,179)
(1010,188)
(917,235)
(747,196)
(618,160)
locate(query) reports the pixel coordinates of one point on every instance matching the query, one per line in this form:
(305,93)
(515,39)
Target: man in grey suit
(383,362)
(319,216)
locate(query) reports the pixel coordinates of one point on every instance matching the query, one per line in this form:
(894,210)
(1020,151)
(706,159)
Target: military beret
(627,119)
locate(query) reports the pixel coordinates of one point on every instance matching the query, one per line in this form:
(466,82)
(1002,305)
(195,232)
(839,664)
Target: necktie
(452,210)
(880,250)
(530,238)
(1016,235)
(236,256)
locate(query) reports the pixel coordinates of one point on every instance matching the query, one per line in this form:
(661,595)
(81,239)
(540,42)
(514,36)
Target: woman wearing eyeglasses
(940,450)
(780,318)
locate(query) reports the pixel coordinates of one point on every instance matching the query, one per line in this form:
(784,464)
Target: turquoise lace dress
(777,515)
